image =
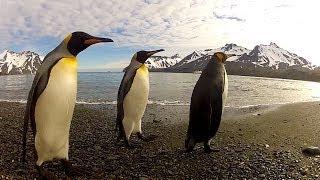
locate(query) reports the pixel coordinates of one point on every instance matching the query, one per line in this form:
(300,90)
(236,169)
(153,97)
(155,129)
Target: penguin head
(79,41)
(142,56)
(222,57)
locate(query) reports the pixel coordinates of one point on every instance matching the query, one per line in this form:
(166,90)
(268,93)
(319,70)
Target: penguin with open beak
(133,97)
(207,102)
(51,102)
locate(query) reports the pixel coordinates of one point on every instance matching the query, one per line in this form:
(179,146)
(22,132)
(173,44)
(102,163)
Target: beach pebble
(143,178)
(262,175)
(311,151)
(303,171)
(97,148)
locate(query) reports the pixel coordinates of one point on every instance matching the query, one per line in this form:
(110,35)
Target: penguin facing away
(133,97)
(207,102)
(51,102)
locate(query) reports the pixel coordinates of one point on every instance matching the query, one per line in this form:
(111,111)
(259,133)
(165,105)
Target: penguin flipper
(217,106)
(40,82)
(216,109)
(199,118)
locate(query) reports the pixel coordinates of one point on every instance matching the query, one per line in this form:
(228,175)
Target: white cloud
(293,24)
(115,65)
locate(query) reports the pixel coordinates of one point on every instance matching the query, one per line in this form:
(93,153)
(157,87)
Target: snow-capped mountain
(158,62)
(274,57)
(199,58)
(264,60)
(233,49)
(266,56)
(26,62)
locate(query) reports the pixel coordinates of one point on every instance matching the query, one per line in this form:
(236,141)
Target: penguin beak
(150,53)
(230,55)
(95,40)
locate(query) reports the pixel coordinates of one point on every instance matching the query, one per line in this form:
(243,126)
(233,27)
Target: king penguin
(133,97)
(51,102)
(207,102)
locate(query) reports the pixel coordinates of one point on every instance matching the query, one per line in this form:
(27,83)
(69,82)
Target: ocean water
(174,89)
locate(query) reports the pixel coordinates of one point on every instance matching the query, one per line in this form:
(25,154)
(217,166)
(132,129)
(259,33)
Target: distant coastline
(313,76)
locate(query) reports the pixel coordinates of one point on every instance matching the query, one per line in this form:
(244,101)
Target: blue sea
(174,89)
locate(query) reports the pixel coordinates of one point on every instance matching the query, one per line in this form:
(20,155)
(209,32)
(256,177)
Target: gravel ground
(253,145)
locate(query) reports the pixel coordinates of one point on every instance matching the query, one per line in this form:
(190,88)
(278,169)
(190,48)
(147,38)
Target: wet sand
(254,143)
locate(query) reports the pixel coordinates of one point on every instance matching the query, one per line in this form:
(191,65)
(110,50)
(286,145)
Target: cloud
(180,24)
(283,6)
(132,23)
(115,65)
(227,17)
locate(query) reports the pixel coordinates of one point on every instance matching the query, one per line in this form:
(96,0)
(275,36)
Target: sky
(178,26)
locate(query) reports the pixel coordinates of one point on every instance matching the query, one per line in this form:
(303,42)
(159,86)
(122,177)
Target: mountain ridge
(263,61)
(25,62)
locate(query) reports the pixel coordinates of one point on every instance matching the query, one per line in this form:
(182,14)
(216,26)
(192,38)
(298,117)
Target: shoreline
(174,103)
(261,146)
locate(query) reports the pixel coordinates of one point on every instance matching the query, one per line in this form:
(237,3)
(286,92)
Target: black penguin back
(206,102)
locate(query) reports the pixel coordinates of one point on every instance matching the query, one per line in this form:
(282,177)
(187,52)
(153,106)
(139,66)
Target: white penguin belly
(225,92)
(135,102)
(54,111)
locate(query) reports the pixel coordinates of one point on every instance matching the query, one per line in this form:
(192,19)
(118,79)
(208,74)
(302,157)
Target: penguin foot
(132,145)
(72,170)
(189,144)
(189,150)
(147,138)
(45,175)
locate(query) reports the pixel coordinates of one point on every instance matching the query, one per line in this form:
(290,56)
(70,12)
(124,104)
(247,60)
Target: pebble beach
(253,143)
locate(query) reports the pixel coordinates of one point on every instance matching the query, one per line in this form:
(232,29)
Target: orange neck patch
(220,56)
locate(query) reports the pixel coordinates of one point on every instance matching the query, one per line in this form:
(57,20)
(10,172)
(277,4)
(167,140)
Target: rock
(303,172)
(114,157)
(267,145)
(112,176)
(262,175)
(143,178)
(311,151)
(20,171)
(97,148)
(238,150)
